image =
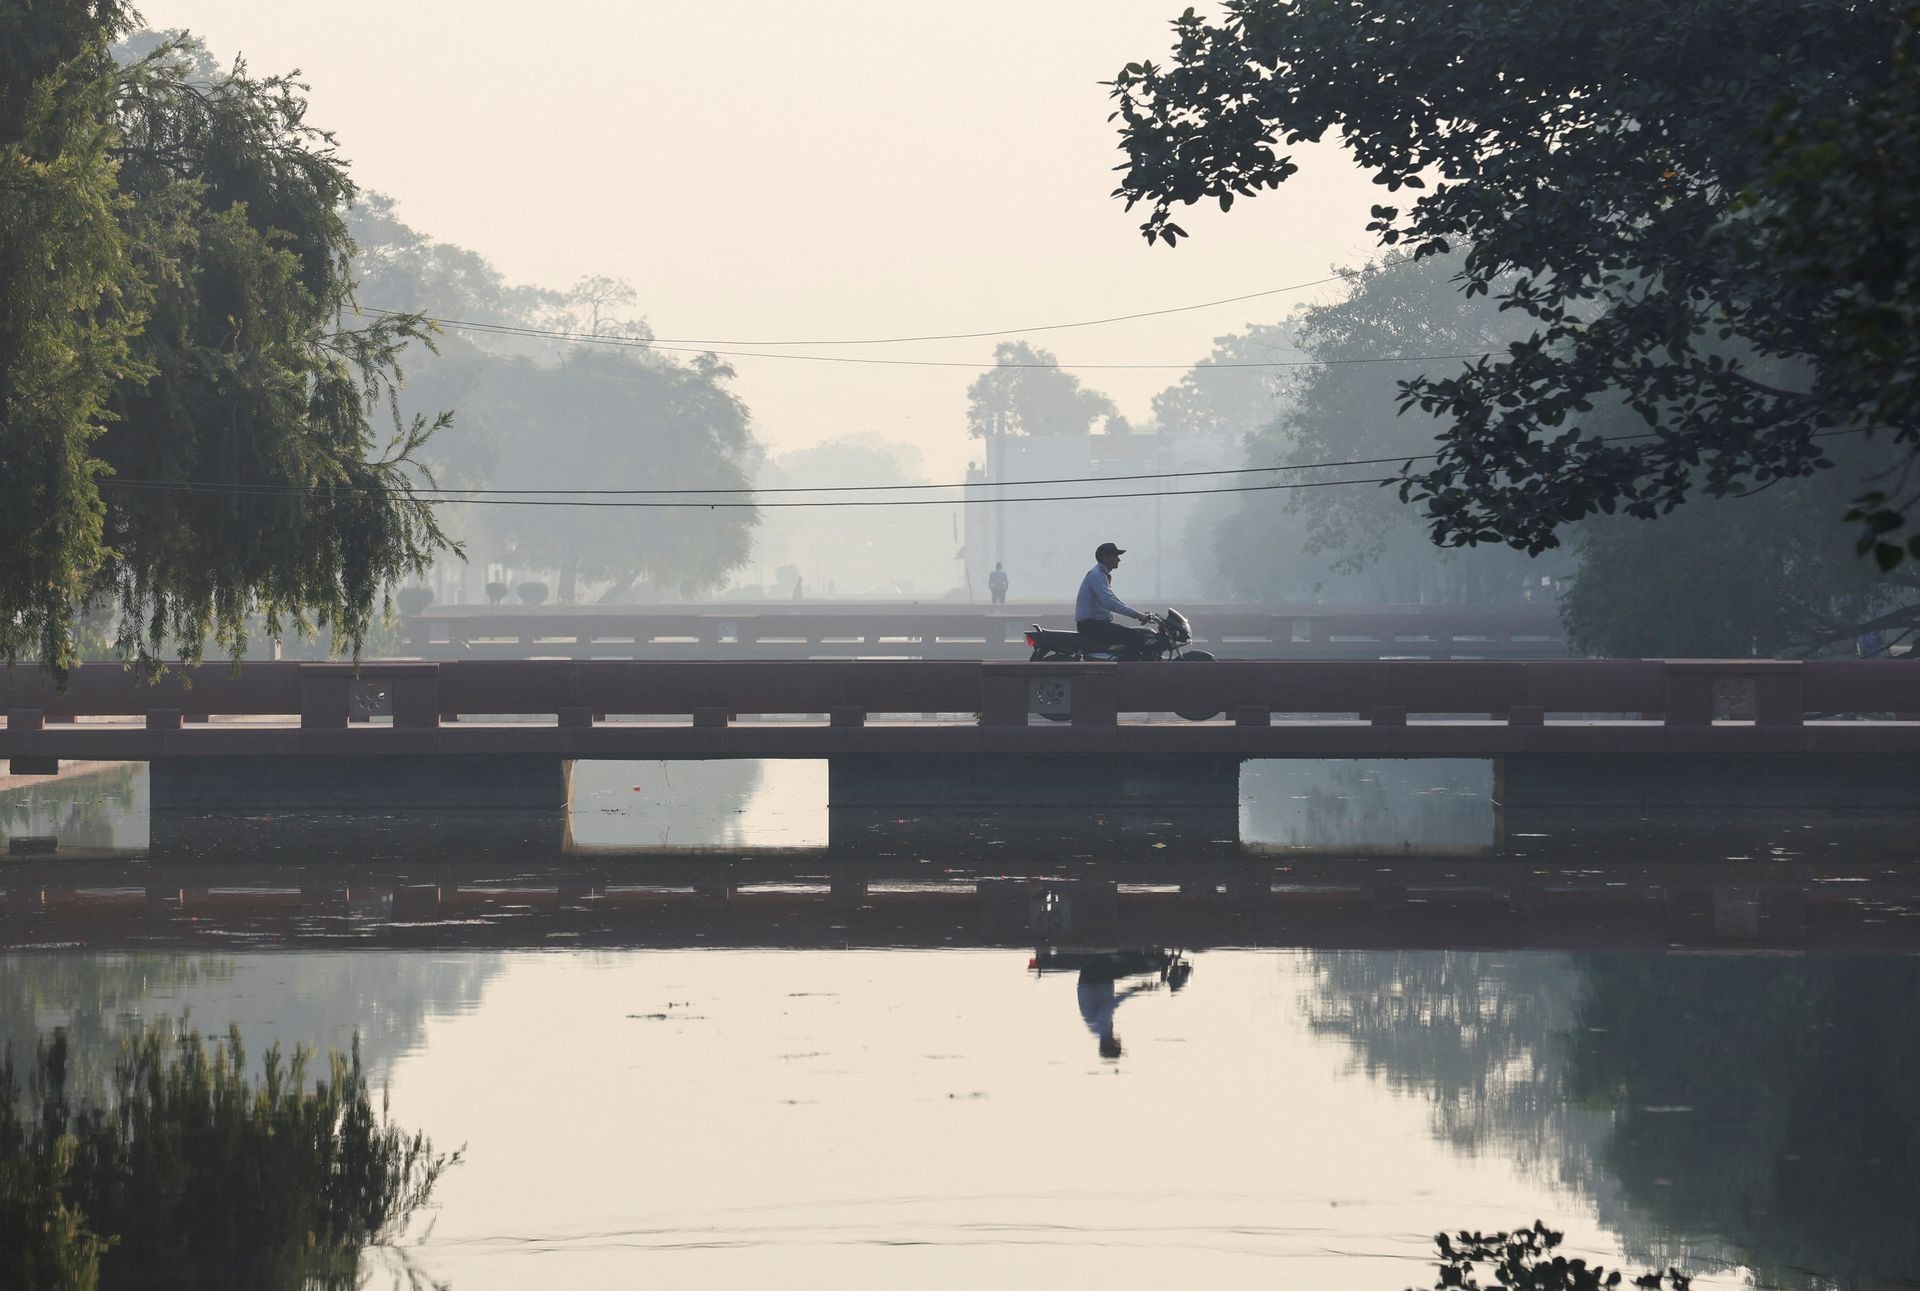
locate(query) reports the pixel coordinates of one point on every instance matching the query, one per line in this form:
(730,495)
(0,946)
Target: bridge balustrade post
(1780,697)
(1003,696)
(1689,697)
(1096,697)
(23,727)
(324,698)
(416,698)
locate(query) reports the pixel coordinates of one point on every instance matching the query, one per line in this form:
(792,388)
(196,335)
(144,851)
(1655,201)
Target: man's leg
(1105,634)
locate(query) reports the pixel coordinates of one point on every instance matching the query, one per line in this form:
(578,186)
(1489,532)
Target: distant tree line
(606,413)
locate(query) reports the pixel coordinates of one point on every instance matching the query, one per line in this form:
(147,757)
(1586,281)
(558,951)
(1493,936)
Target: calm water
(656,1086)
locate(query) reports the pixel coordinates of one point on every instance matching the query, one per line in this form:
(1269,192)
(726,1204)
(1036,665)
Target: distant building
(1048,546)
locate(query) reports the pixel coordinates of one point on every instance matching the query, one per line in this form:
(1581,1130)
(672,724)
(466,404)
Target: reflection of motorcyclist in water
(1098,1002)
(1100,972)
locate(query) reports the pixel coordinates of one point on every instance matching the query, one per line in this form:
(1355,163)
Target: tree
(601,415)
(625,419)
(1218,397)
(187,426)
(1027,393)
(1728,577)
(1601,166)
(71,305)
(1343,409)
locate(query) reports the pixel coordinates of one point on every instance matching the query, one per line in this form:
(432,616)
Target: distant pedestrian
(799,588)
(997,584)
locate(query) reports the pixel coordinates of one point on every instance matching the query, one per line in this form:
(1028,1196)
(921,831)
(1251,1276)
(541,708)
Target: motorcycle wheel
(1200,656)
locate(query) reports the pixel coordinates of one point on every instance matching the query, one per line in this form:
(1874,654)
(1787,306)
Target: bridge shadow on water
(1787,884)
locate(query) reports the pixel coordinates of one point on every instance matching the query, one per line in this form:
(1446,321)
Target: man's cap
(1106,549)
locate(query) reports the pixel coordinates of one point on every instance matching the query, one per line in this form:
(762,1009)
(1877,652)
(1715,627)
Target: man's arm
(1104,594)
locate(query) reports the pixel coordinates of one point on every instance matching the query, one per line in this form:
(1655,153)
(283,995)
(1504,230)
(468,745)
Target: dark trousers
(1102,632)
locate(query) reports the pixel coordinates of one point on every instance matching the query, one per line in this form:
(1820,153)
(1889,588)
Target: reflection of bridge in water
(1682,906)
(1565,734)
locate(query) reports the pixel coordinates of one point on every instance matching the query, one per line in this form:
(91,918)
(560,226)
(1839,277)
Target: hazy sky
(765,170)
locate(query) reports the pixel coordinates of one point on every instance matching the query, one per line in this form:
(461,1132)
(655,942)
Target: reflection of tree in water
(300,998)
(1759,1107)
(82,811)
(1474,1034)
(1799,1141)
(1384,803)
(93,997)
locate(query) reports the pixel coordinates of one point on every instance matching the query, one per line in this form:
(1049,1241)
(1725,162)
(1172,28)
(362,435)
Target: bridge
(803,630)
(1566,733)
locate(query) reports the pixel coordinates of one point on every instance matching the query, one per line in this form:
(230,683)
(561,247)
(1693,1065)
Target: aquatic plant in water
(192,1175)
(1525,1260)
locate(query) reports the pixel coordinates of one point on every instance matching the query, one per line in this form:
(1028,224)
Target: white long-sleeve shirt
(1096,599)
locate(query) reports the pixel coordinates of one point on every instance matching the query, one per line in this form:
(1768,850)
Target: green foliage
(186,427)
(1729,577)
(1027,393)
(1595,163)
(1837,217)
(71,306)
(194,1175)
(1215,398)
(44,1239)
(1345,410)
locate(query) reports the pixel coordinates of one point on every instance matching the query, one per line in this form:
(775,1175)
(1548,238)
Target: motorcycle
(1171,634)
(1169,965)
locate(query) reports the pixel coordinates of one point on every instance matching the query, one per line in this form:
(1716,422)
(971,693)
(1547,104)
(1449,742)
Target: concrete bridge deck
(940,630)
(1624,730)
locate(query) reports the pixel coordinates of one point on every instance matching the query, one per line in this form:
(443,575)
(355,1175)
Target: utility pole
(1159,507)
(997,471)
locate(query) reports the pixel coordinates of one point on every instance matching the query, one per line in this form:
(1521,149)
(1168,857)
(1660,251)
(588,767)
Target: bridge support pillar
(1712,806)
(1756,782)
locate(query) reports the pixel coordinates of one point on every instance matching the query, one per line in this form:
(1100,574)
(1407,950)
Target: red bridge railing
(1381,692)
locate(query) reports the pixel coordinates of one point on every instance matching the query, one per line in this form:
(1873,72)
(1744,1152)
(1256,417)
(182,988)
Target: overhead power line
(707,342)
(457,492)
(659,347)
(691,504)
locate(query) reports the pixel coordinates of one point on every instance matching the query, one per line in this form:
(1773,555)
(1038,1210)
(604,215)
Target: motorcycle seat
(1056,640)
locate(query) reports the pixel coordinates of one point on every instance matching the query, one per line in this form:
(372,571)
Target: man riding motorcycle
(1094,608)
